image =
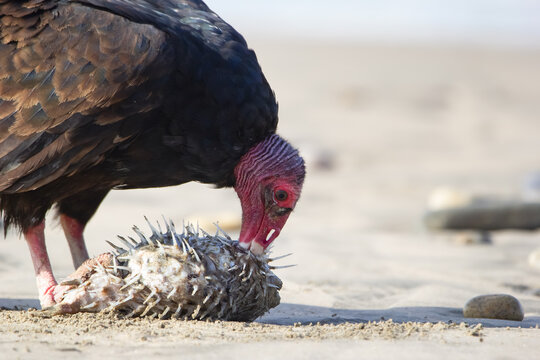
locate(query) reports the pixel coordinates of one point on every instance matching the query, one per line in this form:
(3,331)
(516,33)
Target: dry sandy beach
(380,128)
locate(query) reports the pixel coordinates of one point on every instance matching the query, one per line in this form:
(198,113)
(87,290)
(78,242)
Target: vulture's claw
(57,298)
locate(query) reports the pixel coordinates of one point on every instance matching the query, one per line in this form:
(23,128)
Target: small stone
(476,331)
(325,160)
(473,238)
(446,197)
(496,306)
(534,258)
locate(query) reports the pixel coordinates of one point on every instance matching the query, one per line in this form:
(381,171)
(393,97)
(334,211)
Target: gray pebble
(496,306)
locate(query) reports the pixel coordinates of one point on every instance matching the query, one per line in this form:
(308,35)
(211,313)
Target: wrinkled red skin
(269,179)
(262,212)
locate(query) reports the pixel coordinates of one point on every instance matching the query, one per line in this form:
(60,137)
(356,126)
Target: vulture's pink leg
(49,291)
(73,230)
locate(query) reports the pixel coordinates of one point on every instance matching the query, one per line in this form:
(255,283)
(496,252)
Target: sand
(380,128)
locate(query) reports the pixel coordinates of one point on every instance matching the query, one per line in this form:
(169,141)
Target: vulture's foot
(53,295)
(61,301)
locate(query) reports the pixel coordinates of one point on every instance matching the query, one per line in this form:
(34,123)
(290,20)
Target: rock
(473,238)
(486,217)
(325,160)
(496,306)
(534,258)
(447,198)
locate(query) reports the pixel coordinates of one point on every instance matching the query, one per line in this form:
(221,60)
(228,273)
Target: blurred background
(481,22)
(388,101)
(410,97)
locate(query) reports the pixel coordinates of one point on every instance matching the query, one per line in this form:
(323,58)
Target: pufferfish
(188,275)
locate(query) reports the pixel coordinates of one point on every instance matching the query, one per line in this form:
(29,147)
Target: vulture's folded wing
(70,75)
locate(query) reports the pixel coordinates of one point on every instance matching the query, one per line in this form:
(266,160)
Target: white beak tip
(256,248)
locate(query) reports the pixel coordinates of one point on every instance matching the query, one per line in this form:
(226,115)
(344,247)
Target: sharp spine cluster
(185,276)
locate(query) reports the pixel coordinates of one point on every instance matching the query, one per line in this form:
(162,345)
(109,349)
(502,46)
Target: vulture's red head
(269,179)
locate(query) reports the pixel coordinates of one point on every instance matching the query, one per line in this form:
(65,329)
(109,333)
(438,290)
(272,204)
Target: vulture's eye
(281,195)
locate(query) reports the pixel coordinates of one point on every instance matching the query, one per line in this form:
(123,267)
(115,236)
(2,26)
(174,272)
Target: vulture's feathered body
(103,94)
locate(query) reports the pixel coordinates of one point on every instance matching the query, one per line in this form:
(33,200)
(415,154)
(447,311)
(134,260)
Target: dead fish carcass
(184,275)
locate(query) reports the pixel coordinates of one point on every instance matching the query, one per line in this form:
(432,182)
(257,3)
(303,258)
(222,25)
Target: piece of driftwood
(486,217)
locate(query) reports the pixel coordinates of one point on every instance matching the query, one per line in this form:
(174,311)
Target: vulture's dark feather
(102,94)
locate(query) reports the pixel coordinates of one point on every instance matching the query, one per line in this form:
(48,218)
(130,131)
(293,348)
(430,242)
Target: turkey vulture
(116,94)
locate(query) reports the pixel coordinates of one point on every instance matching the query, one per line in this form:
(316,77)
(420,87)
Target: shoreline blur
(501,23)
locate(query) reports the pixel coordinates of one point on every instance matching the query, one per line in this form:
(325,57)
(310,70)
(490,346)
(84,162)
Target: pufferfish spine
(172,275)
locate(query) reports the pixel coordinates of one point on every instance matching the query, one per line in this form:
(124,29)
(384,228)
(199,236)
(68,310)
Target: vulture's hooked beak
(259,230)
